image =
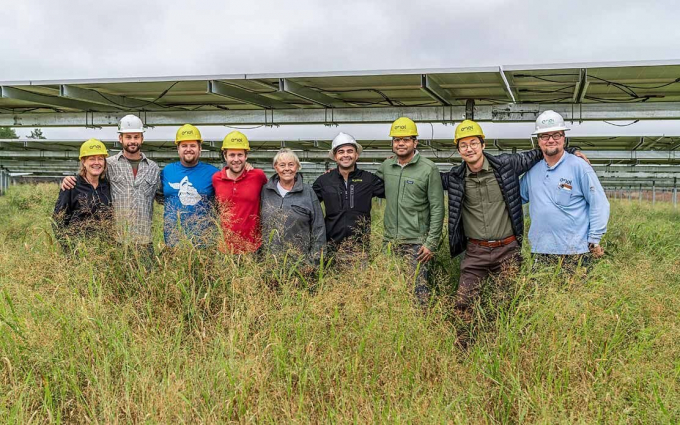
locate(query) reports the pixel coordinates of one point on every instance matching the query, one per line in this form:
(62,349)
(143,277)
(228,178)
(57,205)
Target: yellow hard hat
(188,132)
(235,140)
(93,147)
(467,128)
(403,127)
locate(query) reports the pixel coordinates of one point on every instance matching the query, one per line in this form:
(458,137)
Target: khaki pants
(480,262)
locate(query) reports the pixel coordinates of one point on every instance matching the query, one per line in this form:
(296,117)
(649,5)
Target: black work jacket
(348,207)
(82,209)
(507,168)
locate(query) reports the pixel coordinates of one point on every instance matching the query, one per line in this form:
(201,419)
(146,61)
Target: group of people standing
(282,215)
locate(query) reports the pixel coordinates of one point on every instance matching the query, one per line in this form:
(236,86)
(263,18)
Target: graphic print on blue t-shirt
(188,194)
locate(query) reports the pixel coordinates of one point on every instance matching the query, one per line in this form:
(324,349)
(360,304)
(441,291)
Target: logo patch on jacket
(409,182)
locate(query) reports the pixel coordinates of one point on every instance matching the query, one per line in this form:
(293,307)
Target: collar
(564,155)
(413,160)
(222,175)
(485,165)
(273,180)
(120,155)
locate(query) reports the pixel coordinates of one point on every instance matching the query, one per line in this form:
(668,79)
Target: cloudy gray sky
(86,39)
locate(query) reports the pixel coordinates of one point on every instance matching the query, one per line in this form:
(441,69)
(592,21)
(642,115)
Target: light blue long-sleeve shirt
(567,206)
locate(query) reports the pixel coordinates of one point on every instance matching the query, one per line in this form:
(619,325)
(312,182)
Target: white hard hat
(550,121)
(343,139)
(130,124)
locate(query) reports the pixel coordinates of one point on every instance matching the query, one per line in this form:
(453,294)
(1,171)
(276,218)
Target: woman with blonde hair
(85,208)
(291,215)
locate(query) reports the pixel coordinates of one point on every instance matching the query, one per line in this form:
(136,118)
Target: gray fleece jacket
(294,222)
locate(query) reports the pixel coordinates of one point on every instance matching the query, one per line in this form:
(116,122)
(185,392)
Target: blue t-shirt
(567,206)
(188,194)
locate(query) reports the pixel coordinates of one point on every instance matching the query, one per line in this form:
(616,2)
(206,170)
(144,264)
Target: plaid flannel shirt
(133,197)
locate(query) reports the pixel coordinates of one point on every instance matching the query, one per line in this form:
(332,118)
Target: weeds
(206,337)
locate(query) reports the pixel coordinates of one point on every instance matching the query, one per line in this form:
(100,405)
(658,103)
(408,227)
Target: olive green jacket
(415,202)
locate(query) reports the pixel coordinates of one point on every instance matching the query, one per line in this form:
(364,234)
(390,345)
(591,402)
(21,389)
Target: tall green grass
(206,337)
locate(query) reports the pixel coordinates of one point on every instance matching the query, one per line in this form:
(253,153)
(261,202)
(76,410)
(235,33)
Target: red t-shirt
(239,205)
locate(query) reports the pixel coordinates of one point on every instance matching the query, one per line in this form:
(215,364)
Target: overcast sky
(89,39)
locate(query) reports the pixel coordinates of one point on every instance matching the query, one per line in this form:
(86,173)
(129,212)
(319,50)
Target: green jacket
(415,202)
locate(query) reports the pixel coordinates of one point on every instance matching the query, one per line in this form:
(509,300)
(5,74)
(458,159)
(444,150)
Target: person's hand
(248,166)
(582,156)
(424,254)
(69,182)
(596,249)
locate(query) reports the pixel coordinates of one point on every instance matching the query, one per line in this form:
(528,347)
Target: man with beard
(568,208)
(347,193)
(187,192)
(237,190)
(414,210)
(133,179)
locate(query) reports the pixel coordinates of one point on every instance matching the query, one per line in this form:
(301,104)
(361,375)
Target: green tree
(36,134)
(8,133)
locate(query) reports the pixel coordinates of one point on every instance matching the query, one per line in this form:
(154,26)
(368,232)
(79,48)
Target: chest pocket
(301,213)
(562,197)
(413,191)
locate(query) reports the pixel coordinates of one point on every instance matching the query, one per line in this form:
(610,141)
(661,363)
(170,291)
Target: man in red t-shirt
(237,191)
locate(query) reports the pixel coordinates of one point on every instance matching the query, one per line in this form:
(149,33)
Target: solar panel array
(580,92)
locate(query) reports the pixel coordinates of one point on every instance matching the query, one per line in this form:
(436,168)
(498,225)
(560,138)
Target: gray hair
(286,153)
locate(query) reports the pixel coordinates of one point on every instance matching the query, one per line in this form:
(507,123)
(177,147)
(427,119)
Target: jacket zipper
(399,200)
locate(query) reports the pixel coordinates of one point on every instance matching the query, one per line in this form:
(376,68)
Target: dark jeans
(478,263)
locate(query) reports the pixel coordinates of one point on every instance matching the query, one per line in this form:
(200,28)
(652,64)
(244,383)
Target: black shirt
(82,209)
(348,204)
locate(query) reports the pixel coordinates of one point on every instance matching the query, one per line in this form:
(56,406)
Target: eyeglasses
(403,139)
(473,145)
(554,136)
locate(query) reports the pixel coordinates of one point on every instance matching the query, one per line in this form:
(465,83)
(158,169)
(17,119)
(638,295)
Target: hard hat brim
(131,131)
(550,129)
(331,153)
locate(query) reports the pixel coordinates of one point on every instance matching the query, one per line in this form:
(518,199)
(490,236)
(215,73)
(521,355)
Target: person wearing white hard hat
(134,179)
(347,193)
(568,208)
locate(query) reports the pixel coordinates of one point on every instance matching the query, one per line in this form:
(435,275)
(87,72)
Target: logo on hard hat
(469,128)
(94,147)
(400,127)
(548,121)
(235,140)
(185,132)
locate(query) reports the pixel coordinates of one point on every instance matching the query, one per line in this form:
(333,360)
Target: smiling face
(235,159)
(131,142)
(286,167)
(189,152)
(346,156)
(404,147)
(94,165)
(470,149)
(552,143)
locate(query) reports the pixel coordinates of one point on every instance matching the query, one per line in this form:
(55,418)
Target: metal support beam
(97,98)
(288,86)
(506,85)
(54,101)
(353,115)
(581,87)
(436,92)
(245,96)
(470,109)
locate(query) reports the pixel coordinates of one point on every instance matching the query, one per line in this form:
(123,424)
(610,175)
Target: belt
(494,244)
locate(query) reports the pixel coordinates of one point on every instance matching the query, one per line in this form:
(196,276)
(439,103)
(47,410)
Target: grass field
(204,337)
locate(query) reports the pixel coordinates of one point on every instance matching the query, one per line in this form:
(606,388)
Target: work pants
(478,263)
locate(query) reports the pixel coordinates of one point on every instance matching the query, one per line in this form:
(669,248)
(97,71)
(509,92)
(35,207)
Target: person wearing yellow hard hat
(237,191)
(87,206)
(414,210)
(187,192)
(486,220)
